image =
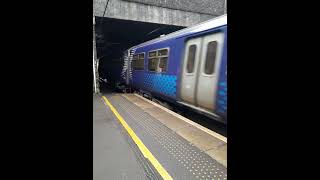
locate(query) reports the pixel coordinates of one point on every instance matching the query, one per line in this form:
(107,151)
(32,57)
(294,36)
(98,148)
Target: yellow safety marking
(145,151)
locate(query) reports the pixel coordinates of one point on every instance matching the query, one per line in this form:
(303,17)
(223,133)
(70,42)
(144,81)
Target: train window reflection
(163,52)
(191,58)
(163,64)
(153,64)
(153,54)
(138,61)
(158,60)
(210,57)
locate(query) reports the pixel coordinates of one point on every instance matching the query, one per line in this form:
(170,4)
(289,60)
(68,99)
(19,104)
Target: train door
(200,70)
(189,72)
(211,55)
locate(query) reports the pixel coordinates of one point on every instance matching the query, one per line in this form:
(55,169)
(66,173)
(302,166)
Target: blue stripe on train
(161,83)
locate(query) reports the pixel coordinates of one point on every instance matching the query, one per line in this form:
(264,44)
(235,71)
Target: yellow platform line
(145,151)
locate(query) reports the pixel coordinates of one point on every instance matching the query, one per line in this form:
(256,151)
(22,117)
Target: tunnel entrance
(114,36)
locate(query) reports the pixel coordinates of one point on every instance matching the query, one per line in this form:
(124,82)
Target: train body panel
(161,67)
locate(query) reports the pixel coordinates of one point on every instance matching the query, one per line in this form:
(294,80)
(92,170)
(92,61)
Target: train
(187,67)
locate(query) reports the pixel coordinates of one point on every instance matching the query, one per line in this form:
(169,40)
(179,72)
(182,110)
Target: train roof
(209,24)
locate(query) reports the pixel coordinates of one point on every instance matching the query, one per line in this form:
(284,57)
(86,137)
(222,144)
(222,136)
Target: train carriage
(187,67)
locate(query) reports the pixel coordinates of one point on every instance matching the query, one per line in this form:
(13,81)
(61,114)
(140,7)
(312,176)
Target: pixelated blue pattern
(222,97)
(161,83)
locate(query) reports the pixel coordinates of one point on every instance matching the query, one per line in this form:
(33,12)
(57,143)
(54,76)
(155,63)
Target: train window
(158,60)
(138,61)
(163,64)
(210,57)
(163,52)
(135,57)
(141,56)
(153,54)
(191,58)
(153,63)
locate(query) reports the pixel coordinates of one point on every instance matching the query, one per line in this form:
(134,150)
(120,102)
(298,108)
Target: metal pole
(96,90)
(94,76)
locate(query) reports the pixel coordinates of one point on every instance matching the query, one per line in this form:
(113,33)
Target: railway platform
(135,138)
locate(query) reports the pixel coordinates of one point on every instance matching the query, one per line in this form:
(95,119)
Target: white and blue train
(187,67)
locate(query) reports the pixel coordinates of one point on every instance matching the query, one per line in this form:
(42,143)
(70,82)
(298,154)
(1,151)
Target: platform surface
(182,150)
(212,143)
(113,156)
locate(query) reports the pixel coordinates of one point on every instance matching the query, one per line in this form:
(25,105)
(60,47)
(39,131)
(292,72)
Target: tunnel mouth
(114,37)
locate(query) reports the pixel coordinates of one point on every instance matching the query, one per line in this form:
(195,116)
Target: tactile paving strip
(181,159)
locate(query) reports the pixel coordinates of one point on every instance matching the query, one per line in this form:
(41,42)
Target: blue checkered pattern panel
(161,83)
(222,97)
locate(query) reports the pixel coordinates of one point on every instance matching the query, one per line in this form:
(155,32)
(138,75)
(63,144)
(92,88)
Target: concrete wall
(212,7)
(179,13)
